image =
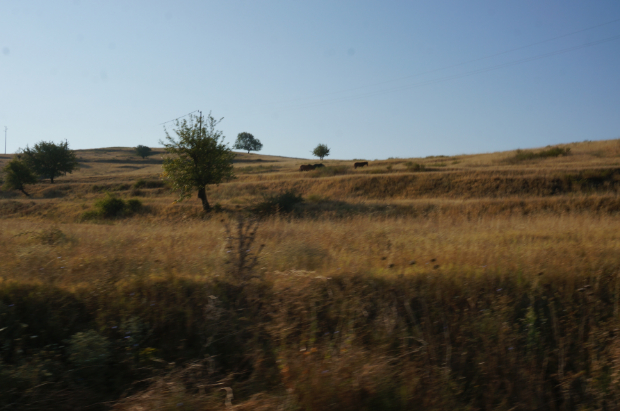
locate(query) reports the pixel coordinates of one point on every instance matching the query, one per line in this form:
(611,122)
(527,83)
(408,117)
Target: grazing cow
(306,167)
(360,164)
(319,165)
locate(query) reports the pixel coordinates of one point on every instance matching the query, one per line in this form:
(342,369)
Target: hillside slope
(585,175)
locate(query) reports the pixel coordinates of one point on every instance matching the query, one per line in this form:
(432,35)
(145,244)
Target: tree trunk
(202,195)
(52,179)
(24,191)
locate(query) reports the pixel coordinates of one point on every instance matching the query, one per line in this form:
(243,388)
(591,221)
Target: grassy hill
(467,282)
(586,178)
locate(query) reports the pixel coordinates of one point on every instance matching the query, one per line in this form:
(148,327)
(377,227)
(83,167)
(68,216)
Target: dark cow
(360,164)
(319,165)
(306,167)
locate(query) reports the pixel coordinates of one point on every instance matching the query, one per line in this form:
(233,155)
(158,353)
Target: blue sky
(371,79)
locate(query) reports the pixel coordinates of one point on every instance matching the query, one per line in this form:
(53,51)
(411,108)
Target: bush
(111,207)
(278,203)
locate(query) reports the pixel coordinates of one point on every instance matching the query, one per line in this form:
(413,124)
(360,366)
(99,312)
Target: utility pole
(5,128)
(200,124)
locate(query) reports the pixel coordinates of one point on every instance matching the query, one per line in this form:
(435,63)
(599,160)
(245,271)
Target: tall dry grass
(534,330)
(74,254)
(473,284)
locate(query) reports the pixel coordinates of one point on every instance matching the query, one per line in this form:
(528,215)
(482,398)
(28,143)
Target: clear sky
(371,79)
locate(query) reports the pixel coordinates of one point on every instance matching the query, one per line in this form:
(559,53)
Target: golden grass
(477,214)
(87,253)
(477,284)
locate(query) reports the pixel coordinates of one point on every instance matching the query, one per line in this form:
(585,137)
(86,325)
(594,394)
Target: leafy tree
(320,151)
(143,151)
(197,158)
(18,174)
(246,141)
(51,160)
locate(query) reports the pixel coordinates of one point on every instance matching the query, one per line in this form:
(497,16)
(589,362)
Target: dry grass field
(467,282)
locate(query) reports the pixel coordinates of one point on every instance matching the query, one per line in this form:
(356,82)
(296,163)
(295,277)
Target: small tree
(198,158)
(246,141)
(320,151)
(18,174)
(51,160)
(143,151)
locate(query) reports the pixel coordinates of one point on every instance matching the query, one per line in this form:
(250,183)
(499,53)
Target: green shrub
(111,207)
(278,203)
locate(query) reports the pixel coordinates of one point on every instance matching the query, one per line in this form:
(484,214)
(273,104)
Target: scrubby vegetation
(523,155)
(476,285)
(111,206)
(350,341)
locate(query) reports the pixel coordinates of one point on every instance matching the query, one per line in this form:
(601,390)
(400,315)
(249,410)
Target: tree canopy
(143,151)
(50,160)
(17,175)
(321,151)
(197,157)
(246,141)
